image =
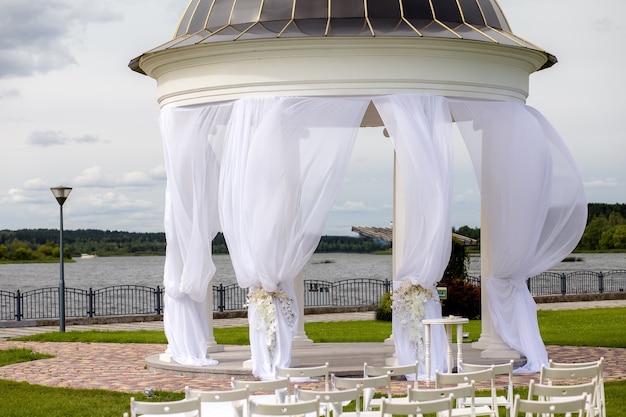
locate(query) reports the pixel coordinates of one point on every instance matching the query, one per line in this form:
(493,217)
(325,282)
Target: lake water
(101,272)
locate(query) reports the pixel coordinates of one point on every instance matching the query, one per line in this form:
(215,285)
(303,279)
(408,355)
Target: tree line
(42,244)
(605,230)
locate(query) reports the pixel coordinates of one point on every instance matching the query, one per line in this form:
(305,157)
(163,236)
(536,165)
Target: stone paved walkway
(121,367)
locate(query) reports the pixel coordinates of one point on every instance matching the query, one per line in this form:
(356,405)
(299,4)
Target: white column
(211,344)
(300,339)
(485,256)
(399,214)
(490,341)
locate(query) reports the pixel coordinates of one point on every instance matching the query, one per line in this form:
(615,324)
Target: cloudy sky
(72,113)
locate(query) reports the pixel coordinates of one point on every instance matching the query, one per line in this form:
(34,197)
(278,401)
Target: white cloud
(136,178)
(116,201)
(604,24)
(158,173)
(53,138)
(358,206)
(7,93)
(35,184)
(602,183)
(15,195)
(467,195)
(94,177)
(38,36)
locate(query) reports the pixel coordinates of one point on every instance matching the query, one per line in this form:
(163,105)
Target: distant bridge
(386,234)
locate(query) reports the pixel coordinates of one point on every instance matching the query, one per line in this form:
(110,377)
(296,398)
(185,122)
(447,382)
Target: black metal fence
(128,300)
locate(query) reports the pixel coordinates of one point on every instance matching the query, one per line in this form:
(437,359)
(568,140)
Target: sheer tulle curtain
(283,161)
(420,129)
(192,147)
(534,206)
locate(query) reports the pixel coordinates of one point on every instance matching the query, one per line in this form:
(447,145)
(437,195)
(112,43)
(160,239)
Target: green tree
(615,219)
(606,240)
(593,233)
(23,254)
(619,237)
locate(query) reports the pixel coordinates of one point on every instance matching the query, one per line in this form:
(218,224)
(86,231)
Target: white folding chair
(330,400)
(599,396)
(189,407)
(299,409)
(274,391)
(393,371)
(503,401)
(485,376)
(463,404)
(576,375)
(305,373)
(574,406)
(542,392)
(217,403)
(440,408)
(368,386)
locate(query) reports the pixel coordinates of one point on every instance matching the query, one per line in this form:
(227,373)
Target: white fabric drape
(270,166)
(191,153)
(420,129)
(534,207)
(283,161)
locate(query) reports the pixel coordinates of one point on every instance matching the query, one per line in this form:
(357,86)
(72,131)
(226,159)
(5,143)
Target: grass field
(594,327)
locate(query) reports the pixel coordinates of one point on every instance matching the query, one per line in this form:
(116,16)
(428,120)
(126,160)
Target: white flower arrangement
(408,301)
(265,302)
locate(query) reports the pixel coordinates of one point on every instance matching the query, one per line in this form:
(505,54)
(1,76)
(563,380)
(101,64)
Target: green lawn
(595,327)
(566,328)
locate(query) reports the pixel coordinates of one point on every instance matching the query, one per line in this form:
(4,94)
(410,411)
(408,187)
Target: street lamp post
(61,194)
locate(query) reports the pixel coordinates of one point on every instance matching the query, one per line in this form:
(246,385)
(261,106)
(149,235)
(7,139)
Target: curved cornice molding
(340,66)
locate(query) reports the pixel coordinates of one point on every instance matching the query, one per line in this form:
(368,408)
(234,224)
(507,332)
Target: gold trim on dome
(405,20)
(208,15)
(367,18)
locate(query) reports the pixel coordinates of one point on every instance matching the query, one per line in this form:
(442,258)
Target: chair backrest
(486,375)
(333,399)
(498,369)
(238,399)
(189,406)
(442,407)
(443,379)
(261,386)
(367,385)
(569,375)
(549,408)
(599,363)
(459,393)
(278,387)
(543,392)
(410,370)
(217,396)
(382,381)
(305,372)
(291,409)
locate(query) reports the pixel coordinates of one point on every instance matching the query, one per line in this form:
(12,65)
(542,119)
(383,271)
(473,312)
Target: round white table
(447,322)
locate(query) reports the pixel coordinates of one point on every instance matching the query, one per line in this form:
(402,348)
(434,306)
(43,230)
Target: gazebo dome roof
(219,21)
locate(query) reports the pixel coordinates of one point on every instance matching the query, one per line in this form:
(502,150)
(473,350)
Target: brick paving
(122,367)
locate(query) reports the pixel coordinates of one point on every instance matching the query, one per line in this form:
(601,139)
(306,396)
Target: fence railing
(128,300)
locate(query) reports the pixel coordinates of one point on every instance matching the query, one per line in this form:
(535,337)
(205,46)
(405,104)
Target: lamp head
(61,193)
